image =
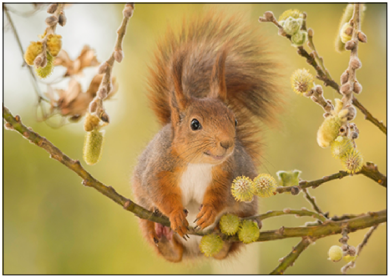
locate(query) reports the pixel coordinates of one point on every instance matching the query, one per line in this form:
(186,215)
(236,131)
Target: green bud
(242,189)
(292,25)
(229,224)
(340,146)
(328,131)
(335,253)
(210,245)
(93,146)
(299,38)
(264,185)
(249,231)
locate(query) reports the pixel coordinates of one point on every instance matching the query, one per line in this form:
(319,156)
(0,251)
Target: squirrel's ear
(178,100)
(217,82)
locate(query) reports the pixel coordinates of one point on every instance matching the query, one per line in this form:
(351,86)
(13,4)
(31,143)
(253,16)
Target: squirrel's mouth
(216,157)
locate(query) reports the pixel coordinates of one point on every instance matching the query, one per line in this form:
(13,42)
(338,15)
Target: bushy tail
(251,71)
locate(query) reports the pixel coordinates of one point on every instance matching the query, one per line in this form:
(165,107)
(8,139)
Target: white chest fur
(194,182)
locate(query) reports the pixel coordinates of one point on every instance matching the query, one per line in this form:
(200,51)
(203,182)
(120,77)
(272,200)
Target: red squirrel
(210,86)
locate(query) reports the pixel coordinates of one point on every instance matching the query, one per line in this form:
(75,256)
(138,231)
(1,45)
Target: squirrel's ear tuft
(178,101)
(217,82)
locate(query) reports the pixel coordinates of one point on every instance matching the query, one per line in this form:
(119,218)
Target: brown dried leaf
(87,58)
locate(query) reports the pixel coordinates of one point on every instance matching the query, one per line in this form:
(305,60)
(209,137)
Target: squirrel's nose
(226,144)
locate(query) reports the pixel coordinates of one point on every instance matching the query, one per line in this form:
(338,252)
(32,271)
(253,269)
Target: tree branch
(292,257)
(325,229)
(74,165)
(312,201)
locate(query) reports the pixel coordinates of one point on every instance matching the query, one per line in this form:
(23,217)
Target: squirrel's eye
(195,124)
(235,121)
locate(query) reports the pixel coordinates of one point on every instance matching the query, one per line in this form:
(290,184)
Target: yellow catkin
(32,52)
(91,122)
(346,17)
(335,253)
(249,231)
(294,13)
(242,189)
(340,146)
(93,146)
(302,81)
(352,161)
(54,44)
(46,71)
(229,224)
(328,131)
(210,245)
(264,185)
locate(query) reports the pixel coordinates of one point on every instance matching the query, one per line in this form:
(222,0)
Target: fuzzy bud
(93,146)
(229,224)
(341,146)
(32,52)
(269,15)
(104,117)
(346,32)
(54,44)
(335,253)
(93,106)
(344,77)
(328,131)
(355,63)
(102,92)
(299,38)
(264,185)
(302,81)
(118,55)
(292,25)
(294,190)
(242,189)
(352,251)
(351,114)
(52,8)
(290,179)
(310,32)
(210,245)
(290,13)
(62,20)
(362,37)
(357,88)
(352,161)
(249,231)
(40,60)
(51,20)
(349,45)
(102,68)
(91,122)
(128,11)
(44,72)
(345,88)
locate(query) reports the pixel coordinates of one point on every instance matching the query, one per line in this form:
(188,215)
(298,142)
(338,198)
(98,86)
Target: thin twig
(287,211)
(292,257)
(96,105)
(312,201)
(352,264)
(321,75)
(369,170)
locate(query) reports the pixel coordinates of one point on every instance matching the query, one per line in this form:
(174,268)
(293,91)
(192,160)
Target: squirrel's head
(204,128)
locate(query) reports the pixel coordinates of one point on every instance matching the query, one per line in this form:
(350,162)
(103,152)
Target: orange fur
(217,72)
(251,73)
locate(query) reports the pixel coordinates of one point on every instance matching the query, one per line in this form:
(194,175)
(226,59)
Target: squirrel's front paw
(206,216)
(179,222)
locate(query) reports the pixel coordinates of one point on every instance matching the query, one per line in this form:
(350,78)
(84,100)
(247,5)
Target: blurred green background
(53,224)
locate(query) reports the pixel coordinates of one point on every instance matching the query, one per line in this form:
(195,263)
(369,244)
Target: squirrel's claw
(179,222)
(206,216)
